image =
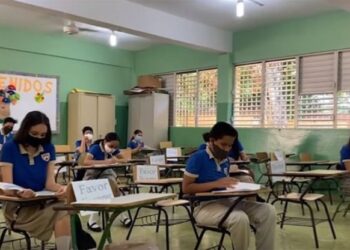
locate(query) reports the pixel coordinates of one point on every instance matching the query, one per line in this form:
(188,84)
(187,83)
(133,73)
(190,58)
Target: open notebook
(240,187)
(11,186)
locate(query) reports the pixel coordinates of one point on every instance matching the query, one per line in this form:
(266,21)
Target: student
(209,169)
(82,147)
(104,151)
(205,137)
(28,161)
(6,133)
(136,142)
(344,155)
(237,151)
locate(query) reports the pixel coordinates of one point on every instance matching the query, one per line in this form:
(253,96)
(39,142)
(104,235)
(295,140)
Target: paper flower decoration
(39,97)
(9,95)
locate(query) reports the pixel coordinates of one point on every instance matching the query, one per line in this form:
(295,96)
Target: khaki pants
(260,215)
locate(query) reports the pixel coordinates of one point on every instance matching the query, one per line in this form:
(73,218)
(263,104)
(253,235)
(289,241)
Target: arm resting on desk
(190,187)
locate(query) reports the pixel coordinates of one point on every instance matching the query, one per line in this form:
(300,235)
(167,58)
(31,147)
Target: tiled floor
(288,238)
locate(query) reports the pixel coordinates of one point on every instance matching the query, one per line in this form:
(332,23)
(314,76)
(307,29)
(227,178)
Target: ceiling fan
(72,29)
(257,2)
(240,6)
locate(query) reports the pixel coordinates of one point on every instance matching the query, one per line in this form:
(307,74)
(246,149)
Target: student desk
(164,183)
(115,205)
(138,161)
(179,159)
(305,197)
(170,167)
(214,196)
(308,164)
(103,167)
(40,200)
(69,165)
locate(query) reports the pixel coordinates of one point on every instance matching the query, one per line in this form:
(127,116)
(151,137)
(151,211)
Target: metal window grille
(280,91)
(195,98)
(248,96)
(207,92)
(343,109)
(168,81)
(316,111)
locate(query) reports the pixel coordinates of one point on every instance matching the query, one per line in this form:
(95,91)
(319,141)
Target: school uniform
(31,172)
(344,155)
(97,152)
(202,146)
(205,168)
(134,144)
(5,138)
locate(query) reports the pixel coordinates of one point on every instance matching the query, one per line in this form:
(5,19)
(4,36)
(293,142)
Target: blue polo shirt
(204,167)
(202,146)
(344,155)
(28,172)
(97,152)
(236,149)
(5,138)
(134,144)
(77,145)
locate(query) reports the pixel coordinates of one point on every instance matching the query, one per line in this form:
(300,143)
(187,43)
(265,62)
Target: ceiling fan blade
(87,30)
(257,2)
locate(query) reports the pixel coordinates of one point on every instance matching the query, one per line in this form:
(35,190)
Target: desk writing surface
(124,201)
(102,166)
(230,194)
(166,181)
(173,165)
(312,173)
(5,198)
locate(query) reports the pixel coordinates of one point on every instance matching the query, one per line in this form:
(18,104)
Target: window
(310,91)
(192,98)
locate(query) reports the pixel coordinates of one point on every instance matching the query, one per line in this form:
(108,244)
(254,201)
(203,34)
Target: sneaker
(126,222)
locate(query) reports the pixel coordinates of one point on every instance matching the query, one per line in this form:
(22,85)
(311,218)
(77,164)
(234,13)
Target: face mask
(7,130)
(219,153)
(108,149)
(138,138)
(35,141)
(89,136)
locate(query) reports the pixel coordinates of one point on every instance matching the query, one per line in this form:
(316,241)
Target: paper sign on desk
(277,167)
(157,160)
(147,172)
(241,187)
(99,189)
(173,152)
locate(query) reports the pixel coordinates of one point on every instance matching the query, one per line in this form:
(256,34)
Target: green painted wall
(78,64)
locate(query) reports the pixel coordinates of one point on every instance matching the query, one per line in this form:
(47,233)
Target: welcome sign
(21,93)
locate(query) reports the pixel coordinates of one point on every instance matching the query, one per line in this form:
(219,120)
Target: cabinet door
(105,115)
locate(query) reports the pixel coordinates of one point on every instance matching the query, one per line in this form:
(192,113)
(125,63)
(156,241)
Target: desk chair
(345,197)
(160,207)
(165,144)
(262,160)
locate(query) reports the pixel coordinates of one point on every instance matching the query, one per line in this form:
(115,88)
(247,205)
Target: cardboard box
(148,81)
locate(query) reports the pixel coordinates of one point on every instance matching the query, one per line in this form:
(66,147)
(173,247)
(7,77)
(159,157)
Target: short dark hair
(206,136)
(111,136)
(220,129)
(87,128)
(137,131)
(9,119)
(31,119)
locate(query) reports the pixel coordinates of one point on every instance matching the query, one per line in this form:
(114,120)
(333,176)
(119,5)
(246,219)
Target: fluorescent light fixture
(113,41)
(240,8)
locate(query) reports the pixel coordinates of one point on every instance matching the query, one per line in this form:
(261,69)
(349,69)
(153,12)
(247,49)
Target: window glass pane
(207,91)
(316,111)
(343,109)
(247,96)
(280,90)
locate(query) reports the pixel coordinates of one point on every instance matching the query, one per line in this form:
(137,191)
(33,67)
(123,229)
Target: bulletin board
(21,93)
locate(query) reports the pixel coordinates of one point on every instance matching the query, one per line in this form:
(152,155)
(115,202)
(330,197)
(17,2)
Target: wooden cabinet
(88,109)
(150,113)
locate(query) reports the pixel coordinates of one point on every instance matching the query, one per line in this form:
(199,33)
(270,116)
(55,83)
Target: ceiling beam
(133,18)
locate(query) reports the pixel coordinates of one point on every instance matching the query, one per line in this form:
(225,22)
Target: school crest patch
(46,156)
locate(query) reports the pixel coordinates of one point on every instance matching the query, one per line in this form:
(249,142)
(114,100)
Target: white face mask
(108,149)
(89,136)
(138,138)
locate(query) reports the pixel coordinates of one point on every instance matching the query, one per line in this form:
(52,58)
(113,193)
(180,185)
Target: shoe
(94,227)
(126,222)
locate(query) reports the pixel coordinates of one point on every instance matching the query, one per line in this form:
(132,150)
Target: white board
(32,92)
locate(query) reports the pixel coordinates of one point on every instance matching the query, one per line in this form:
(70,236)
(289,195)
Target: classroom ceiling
(143,23)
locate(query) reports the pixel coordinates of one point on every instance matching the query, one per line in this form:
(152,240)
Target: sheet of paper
(240,187)
(44,193)
(10,186)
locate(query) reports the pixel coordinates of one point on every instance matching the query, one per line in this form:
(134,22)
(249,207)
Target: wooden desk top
(320,162)
(5,198)
(65,163)
(234,162)
(227,194)
(166,181)
(172,165)
(312,173)
(126,201)
(178,157)
(137,161)
(104,166)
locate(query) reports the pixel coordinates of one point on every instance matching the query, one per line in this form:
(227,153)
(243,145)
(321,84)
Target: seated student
(136,142)
(209,169)
(6,133)
(28,161)
(104,152)
(82,147)
(205,137)
(344,155)
(237,151)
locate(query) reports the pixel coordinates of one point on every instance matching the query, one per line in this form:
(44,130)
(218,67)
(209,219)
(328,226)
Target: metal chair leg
(313,224)
(221,240)
(133,223)
(284,214)
(199,239)
(158,220)
(328,218)
(192,221)
(3,236)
